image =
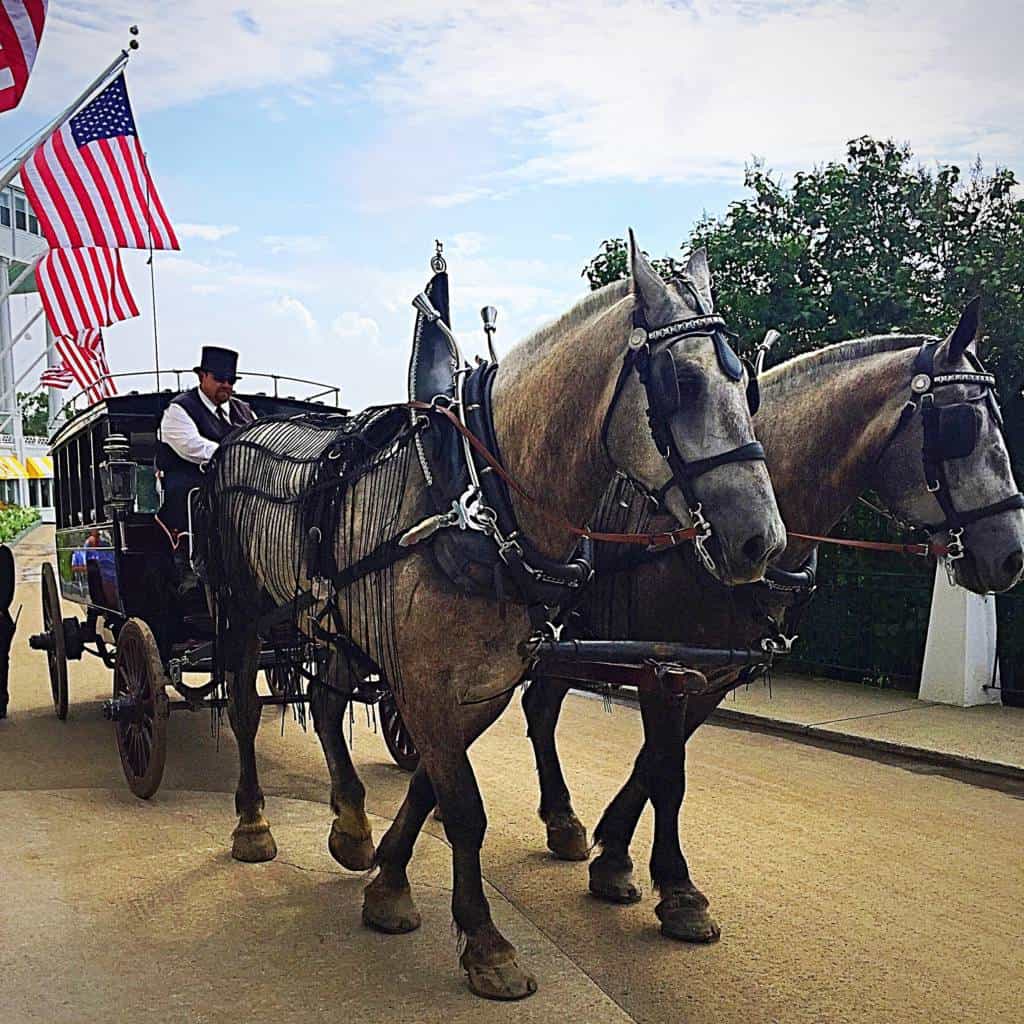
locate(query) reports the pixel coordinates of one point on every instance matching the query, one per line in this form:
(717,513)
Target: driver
(191,430)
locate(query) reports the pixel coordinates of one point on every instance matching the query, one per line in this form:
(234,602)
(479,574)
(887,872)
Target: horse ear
(698,272)
(966,332)
(650,290)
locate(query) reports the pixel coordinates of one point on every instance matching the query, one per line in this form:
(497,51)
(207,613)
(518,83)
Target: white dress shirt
(179,430)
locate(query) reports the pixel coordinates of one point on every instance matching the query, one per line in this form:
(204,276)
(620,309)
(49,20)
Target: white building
(26,471)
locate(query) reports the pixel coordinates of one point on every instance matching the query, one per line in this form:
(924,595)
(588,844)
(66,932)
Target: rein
(656,540)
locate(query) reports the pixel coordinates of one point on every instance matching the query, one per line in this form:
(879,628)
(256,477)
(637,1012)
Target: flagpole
(152,269)
(111,69)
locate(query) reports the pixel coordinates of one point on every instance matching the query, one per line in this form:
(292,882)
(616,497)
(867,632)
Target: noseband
(653,361)
(950,432)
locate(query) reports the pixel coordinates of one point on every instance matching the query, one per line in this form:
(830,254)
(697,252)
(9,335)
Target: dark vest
(180,475)
(212,427)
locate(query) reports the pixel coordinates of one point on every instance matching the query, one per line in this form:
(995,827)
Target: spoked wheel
(399,743)
(139,708)
(56,649)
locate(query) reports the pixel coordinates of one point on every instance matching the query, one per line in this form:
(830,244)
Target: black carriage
(114,560)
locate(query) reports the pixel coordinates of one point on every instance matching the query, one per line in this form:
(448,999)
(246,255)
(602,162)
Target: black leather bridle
(650,356)
(950,432)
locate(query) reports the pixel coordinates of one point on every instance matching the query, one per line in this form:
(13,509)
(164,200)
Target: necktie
(222,413)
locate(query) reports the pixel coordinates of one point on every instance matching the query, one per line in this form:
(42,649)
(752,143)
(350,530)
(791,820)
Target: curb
(840,740)
(18,537)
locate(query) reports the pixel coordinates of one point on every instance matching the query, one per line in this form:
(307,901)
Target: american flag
(56,377)
(89,183)
(21,28)
(83,358)
(83,288)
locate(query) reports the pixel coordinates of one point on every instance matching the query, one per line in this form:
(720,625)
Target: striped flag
(56,377)
(21,28)
(89,183)
(85,359)
(83,288)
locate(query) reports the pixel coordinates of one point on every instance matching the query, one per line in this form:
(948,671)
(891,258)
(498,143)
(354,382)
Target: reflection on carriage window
(93,569)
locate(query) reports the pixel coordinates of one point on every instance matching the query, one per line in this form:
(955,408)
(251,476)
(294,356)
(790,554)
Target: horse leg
(611,873)
(683,910)
(445,773)
(387,901)
(350,840)
(542,704)
(251,840)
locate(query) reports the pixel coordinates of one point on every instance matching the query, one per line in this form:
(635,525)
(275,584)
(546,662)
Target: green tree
(871,244)
(35,412)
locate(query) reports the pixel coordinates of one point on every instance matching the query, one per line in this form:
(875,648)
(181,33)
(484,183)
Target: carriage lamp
(120,475)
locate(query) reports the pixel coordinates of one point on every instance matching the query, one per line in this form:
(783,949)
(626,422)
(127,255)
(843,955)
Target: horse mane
(793,372)
(590,305)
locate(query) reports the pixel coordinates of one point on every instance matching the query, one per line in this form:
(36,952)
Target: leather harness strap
(658,540)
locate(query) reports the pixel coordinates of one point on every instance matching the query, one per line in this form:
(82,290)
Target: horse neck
(823,440)
(550,400)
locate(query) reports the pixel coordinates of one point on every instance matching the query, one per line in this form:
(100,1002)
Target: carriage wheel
(56,651)
(141,708)
(399,743)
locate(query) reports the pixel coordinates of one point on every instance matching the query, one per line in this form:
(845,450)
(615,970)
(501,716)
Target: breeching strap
(655,540)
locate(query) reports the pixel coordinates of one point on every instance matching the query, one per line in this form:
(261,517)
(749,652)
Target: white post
(960,653)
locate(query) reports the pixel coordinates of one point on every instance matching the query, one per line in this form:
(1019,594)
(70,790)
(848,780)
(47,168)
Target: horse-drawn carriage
(114,560)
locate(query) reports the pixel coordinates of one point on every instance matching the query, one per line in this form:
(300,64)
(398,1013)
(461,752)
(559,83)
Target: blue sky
(310,153)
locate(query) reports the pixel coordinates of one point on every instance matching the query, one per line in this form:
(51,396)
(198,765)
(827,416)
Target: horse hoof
(391,911)
(252,842)
(684,916)
(505,980)
(612,880)
(352,852)
(567,838)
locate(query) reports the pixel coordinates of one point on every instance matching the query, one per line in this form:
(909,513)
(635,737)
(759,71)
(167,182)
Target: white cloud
(294,245)
(356,327)
(294,309)
(638,90)
(205,232)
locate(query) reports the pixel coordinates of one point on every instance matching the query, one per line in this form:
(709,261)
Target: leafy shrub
(14,519)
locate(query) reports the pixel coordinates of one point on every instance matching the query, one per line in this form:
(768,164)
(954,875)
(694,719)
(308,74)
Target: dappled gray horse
(567,416)
(913,419)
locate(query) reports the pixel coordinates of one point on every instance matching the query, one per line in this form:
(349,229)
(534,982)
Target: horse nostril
(1014,564)
(755,549)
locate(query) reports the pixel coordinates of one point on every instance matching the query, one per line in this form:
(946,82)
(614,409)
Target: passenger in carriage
(191,430)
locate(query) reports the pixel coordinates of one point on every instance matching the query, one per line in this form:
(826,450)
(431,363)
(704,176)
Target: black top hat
(221,362)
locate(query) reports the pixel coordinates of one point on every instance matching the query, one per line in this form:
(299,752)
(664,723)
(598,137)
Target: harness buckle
(780,644)
(955,548)
(703,528)
(932,488)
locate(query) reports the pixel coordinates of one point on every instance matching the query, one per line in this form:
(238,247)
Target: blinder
(958,428)
(664,374)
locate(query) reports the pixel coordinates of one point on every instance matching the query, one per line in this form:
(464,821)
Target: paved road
(847,889)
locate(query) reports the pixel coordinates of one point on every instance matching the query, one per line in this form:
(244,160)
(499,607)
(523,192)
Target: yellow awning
(12,469)
(40,467)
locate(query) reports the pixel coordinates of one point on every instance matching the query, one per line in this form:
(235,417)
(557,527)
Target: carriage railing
(325,394)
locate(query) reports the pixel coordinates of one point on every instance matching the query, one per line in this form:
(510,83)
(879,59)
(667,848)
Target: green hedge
(14,519)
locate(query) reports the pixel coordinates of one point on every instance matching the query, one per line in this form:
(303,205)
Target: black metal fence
(868,621)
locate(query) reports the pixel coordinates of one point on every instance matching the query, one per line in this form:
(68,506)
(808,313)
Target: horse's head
(946,467)
(680,425)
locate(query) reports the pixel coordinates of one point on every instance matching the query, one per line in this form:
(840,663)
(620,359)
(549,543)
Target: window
(20,213)
(33,223)
(5,208)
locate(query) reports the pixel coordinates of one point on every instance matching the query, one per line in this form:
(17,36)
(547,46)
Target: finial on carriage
(437,261)
(489,315)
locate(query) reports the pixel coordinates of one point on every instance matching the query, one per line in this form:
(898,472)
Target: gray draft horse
(829,425)
(460,656)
